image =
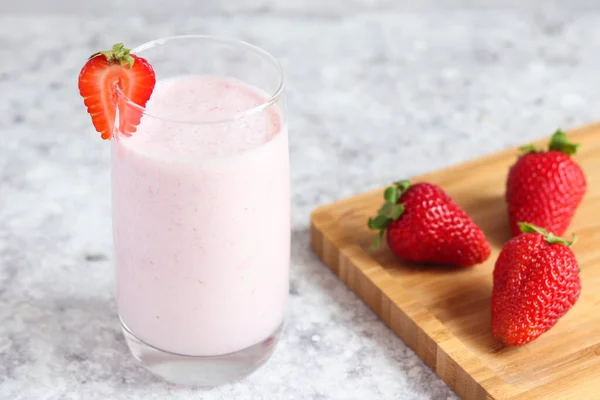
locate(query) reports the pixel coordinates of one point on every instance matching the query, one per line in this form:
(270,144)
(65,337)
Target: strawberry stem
(549,236)
(118,55)
(390,211)
(560,142)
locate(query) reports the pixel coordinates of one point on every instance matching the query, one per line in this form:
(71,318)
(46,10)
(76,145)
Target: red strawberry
(545,188)
(98,81)
(536,281)
(425,225)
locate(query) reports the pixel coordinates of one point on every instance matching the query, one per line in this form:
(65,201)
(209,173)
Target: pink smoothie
(202,218)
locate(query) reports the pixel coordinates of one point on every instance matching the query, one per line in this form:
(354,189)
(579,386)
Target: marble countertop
(377,91)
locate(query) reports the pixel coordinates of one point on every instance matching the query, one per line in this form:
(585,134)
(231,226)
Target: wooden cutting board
(443,314)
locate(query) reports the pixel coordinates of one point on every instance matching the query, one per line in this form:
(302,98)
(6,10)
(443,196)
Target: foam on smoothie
(217,115)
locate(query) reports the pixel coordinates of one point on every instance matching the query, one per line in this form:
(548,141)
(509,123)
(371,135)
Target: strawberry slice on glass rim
(98,81)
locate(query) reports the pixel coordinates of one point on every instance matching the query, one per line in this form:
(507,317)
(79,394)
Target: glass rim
(272,99)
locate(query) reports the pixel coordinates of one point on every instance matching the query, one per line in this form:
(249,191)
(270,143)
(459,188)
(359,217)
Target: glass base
(201,371)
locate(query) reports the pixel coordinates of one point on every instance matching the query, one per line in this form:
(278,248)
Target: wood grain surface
(443,314)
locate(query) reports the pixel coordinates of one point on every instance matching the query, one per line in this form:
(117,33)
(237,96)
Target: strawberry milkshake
(201,220)
(201,213)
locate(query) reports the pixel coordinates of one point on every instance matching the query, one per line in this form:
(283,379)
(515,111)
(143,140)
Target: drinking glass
(201,211)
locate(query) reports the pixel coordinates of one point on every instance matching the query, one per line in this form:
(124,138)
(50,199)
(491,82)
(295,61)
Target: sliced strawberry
(98,81)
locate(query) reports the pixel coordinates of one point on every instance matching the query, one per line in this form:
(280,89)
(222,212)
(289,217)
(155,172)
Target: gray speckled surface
(376,92)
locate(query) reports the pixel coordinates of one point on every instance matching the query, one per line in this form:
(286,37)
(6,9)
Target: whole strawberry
(544,188)
(424,225)
(536,281)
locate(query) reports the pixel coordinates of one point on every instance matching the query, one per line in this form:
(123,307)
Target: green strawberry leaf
(377,240)
(379,222)
(397,211)
(560,142)
(530,228)
(529,148)
(390,211)
(386,209)
(403,185)
(549,236)
(391,194)
(555,239)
